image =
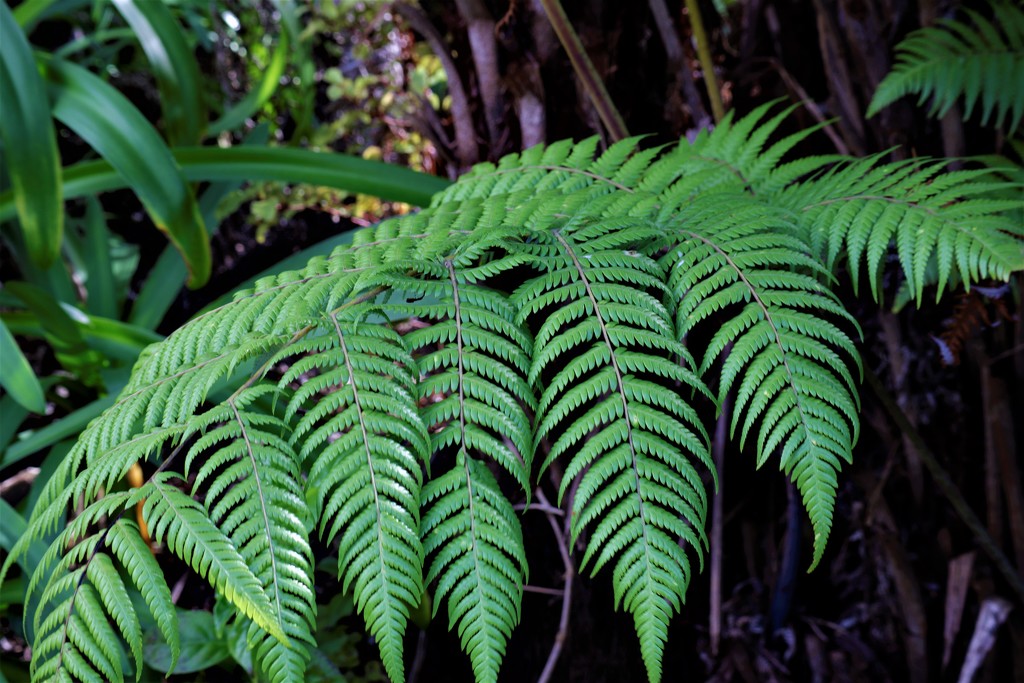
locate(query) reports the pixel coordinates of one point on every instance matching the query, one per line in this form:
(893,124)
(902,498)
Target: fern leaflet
(604,346)
(981,62)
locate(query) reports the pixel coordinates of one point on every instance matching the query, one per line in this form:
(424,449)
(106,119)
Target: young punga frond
(981,60)
(549,303)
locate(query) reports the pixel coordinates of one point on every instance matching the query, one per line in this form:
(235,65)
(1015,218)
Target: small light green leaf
(201,645)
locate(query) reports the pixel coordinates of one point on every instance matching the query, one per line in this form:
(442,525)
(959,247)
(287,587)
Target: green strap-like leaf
(106,120)
(30,145)
(328,169)
(176,71)
(17,377)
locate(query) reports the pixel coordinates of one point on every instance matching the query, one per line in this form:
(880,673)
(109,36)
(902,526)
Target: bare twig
(677,61)
(585,71)
(540,507)
(811,106)
(840,83)
(707,65)
(23,478)
(563,620)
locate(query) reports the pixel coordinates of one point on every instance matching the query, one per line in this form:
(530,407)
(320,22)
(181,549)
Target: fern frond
(479,562)
(791,362)
(251,476)
(474,390)
(181,524)
(610,372)
(84,593)
(299,404)
(735,157)
(946,222)
(981,61)
(358,427)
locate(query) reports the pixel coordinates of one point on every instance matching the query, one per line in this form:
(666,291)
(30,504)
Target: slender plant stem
(585,70)
(717,526)
(947,487)
(563,619)
(706,64)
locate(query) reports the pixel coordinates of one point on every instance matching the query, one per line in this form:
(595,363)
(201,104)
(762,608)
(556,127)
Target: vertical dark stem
(717,523)
(707,65)
(585,70)
(480,26)
(785,584)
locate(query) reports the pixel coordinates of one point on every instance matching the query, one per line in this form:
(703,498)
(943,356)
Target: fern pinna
(397,398)
(980,59)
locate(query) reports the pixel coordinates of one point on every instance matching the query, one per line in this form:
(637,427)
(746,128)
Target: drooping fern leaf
(392,395)
(605,348)
(784,346)
(946,223)
(358,426)
(252,483)
(474,391)
(981,61)
(178,521)
(84,584)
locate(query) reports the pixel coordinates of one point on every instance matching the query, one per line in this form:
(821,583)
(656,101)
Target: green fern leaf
(474,388)
(639,488)
(127,546)
(251,477)
(479,562)
(358,426)
(792,364)
(299,404)
(982,62)
(949,222)
(73,633)
(181,524)
(735,157)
